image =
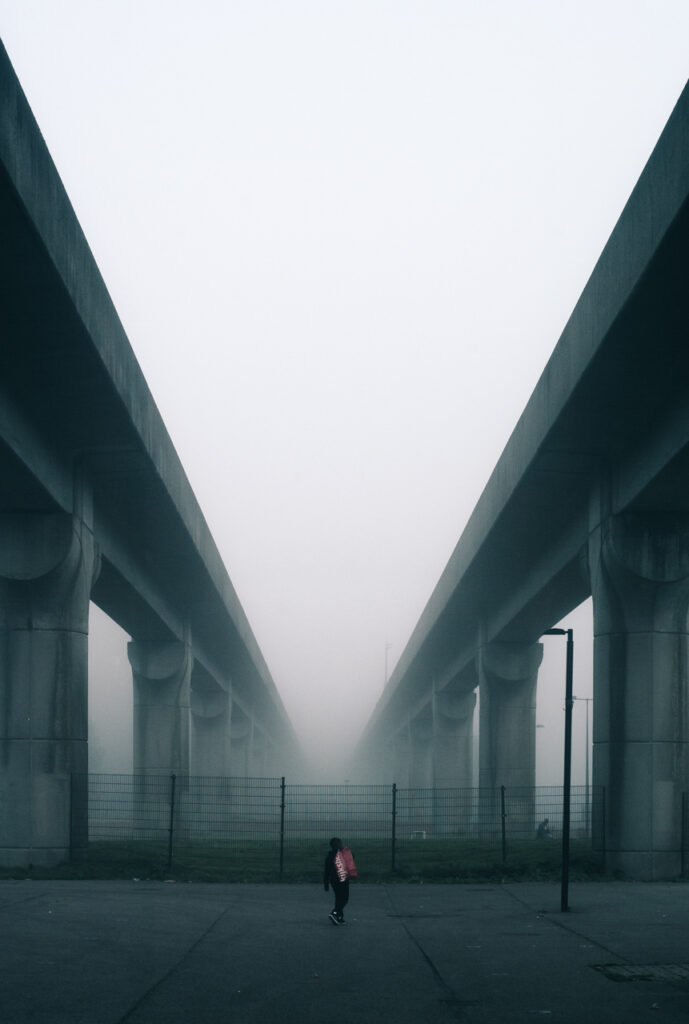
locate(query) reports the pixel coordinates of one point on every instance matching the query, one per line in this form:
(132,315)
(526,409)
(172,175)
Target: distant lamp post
(567,780)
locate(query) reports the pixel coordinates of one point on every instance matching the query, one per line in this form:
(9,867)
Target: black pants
(341,890)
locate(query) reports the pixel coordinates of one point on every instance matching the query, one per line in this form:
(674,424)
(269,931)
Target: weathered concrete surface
(47,566)
(142,953)
(640,576)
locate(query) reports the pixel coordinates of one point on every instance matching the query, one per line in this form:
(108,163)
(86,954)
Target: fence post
(282,824)
(503,817)
(173,779)
(394,825)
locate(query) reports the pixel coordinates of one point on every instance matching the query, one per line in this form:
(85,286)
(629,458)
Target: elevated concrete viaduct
(95,505)
(590,497)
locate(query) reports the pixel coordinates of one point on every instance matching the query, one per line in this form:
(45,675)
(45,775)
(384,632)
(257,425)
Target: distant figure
(543,830)
(332,878)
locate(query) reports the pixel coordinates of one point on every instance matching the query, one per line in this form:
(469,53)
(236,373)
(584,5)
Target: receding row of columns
(435,748)
(638,566)
(181,729)
(48,565)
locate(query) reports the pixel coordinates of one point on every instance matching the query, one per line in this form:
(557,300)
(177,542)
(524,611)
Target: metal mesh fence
(151,807)
(239,809)
(486,814)
(358,812)
(279,824)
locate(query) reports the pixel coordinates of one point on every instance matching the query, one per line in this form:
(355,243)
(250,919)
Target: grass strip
(416,861)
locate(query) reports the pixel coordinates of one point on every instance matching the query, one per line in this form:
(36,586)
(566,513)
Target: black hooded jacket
(330,871)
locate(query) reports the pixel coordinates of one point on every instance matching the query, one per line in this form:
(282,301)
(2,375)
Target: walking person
(331,878)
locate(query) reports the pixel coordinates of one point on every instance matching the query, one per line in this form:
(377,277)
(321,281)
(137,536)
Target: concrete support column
(421,750)
(401,758)
(274,762)
(453,768)
(211,721)
(258,754)
(639,568)
(453,739)
(162,671)
(240,744)
(508,675)
(419,802)
(47,567)
(384,764)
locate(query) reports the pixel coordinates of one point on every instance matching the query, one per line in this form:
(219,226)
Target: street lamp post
(567,779)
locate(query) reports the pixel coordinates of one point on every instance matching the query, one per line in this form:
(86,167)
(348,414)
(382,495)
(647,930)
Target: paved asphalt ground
(149,952)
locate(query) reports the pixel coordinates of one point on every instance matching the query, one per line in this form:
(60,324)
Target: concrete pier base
(161,671)
(453,740)
(507,720)
(211,720)
(453,760)
(639,566)
(47,566)
(508,675)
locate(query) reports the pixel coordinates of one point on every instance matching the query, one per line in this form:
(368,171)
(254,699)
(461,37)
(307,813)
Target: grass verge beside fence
(441,860)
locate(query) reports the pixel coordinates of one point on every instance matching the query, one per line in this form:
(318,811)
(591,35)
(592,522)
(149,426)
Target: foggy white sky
(343,239)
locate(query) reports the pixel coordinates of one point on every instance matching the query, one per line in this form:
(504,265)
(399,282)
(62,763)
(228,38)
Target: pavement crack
(10,904)
(561,922)
(451,999)
(171,970)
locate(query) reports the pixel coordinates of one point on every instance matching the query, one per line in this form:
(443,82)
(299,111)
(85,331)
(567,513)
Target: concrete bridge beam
(48,563)
(639,567)
(162,673)
(508,674)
